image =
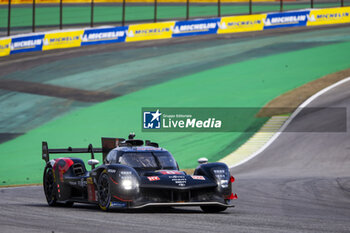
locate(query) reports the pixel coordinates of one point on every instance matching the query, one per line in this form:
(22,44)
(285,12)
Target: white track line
(295,113)
(21,186)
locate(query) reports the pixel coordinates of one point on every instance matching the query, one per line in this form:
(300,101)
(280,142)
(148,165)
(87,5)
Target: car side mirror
(202,160)
(93,162)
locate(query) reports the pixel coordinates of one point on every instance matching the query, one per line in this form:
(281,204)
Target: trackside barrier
(165,30)
(3,2)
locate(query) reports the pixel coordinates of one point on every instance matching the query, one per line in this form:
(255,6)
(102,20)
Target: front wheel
(213,209)
(104,192)
(50,186)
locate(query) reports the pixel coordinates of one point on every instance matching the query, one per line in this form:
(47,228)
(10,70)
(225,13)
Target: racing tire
(49,185)
(213,209)
(104,192)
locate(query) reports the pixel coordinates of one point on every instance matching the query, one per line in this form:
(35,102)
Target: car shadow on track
(89,207)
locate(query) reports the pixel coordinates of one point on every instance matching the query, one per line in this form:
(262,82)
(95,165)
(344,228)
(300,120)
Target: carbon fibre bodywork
(118,184)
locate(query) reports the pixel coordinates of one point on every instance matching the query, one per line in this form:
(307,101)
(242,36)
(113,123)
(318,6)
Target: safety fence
(24,16)
(165,30)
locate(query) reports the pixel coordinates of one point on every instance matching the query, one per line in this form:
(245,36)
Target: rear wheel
(50,186)
(213,209)
(104,192)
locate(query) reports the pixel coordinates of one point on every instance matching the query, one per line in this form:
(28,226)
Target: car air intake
(180,196)
(78,169)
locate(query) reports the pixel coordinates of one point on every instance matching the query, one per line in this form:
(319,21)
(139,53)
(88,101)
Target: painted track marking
(247,151)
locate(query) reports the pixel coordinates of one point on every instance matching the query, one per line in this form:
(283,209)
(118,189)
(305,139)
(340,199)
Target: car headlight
(224,183)
(127,184)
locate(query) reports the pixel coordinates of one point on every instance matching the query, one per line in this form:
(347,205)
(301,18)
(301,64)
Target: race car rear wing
(107,145)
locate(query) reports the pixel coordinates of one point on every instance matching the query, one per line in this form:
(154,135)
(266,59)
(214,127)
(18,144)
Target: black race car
(134,175)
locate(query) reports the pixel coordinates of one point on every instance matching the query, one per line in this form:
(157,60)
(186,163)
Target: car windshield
(155,160)
(166,160)
(139,160)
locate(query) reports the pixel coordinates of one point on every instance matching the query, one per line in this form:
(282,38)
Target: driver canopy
(150,160)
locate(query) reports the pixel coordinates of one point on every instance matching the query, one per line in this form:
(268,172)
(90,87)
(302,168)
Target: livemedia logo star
(151,120)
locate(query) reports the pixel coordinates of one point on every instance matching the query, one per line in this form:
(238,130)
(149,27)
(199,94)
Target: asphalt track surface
(300,183)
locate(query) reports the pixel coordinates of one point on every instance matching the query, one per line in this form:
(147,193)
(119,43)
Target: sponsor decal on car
(198,177)
(171,172)
(153,178)
(147,149)
(82,183)
(117,204)
(179,180)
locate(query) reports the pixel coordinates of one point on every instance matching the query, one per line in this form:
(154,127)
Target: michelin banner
(150,31)
(5,48)
(329,16)
(27,44)
(196,27)
(104,35)
(60,40)
(166,30)
(244,23)
(286,19)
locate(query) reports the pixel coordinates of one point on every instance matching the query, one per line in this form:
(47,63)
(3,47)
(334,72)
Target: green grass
(49,15)
(250,83)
